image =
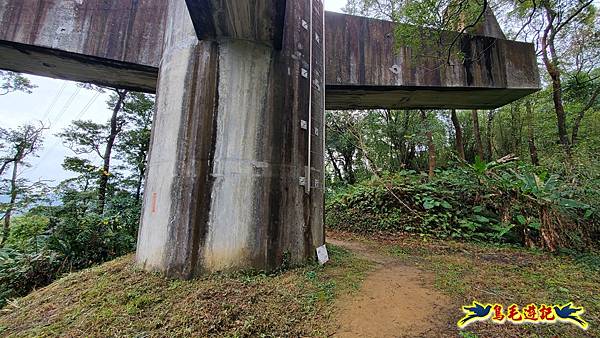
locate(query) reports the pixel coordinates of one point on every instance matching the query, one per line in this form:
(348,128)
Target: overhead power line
(51,106)
(78,116)
(67,105)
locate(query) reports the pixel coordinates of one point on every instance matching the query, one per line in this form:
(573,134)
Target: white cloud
(334,5)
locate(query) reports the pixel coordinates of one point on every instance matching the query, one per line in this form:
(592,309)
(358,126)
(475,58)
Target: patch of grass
(448,277)
(468,334)
(117,299)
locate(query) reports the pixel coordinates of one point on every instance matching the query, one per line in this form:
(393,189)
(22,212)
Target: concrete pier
(228,184)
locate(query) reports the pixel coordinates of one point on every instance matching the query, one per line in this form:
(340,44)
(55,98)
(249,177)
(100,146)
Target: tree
(85,137)
(12,82)
(460,148)
(430,145)
(477,134)
(489,134)
(566,31)
(134,142)
(341,145)
(17,145)
(531,134)
(115,127)
(583,91)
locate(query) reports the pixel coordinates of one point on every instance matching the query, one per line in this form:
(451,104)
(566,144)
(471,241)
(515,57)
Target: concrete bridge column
(238,125)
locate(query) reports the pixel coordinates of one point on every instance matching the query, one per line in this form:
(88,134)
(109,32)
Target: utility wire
(78,116)
(51,106)
(67,105)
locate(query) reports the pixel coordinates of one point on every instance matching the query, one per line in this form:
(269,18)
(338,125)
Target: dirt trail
(394,301)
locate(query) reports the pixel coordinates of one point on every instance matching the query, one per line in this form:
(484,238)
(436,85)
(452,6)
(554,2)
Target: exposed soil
(394,301)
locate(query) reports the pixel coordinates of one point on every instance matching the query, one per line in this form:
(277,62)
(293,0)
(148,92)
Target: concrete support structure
(366,69)
(235,175)
(120,43)
(229,150)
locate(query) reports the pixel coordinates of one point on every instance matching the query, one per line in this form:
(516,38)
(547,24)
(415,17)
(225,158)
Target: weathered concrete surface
(253,20)
(228,151)
(114,42)
(120,43)
(77,67)
(365,71)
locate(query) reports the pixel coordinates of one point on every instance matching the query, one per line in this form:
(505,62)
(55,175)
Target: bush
(26,229)
(21,272)
(491,202)
(49,241)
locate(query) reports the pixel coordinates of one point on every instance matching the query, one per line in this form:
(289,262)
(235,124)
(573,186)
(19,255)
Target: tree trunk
(406,146)
(490,120)
(430,146)
(460,149)
(530,135)
(138,187)
(560,110)
(349,167)
(11,203)
(336,169)
(514,130)
(580,115)
(388,130)
(551,63)
(477,134)
(115,128)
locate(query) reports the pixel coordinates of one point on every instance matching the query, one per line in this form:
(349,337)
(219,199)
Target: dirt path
(394,301)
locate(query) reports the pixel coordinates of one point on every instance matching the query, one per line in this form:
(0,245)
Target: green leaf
(446,205)
(588,213)
(482,219)
(429,204)
(569,203)
(521,219)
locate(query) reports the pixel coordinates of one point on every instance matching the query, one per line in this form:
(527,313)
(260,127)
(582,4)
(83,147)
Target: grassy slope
(505,275)
(116,299)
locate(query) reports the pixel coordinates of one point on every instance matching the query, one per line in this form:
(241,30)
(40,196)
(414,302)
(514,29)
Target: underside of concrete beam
(253,20)
(340,97)
(60,64)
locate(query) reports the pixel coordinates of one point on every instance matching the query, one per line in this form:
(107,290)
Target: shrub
(21,272)
(492,202)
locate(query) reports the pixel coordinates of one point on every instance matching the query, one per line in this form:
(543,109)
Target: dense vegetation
(526,173)
(510,202)
(84,220)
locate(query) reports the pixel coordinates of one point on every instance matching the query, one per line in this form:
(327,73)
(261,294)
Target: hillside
(376,286)
(116,299)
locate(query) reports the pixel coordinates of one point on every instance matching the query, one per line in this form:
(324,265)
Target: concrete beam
(120,43)
(60,64)
(252,20)
(365,69)
(115,43)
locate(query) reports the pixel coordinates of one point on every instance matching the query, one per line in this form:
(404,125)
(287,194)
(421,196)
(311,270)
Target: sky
(56,103)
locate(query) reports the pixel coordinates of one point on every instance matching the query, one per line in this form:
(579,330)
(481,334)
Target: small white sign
(322,255)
